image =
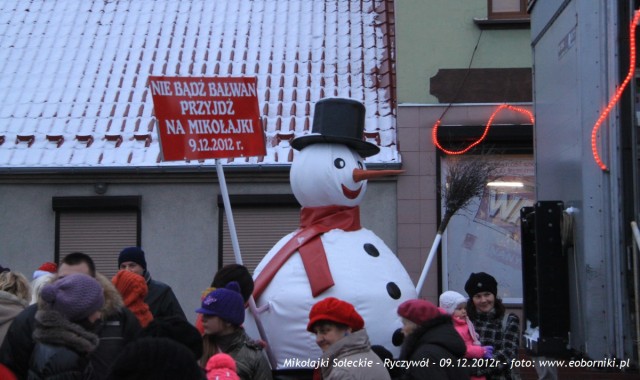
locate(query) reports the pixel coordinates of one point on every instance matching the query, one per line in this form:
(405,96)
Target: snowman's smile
(351,194)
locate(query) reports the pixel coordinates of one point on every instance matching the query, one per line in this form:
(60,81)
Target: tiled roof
(74,74)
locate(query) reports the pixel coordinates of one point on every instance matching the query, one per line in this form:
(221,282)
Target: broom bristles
(466,180)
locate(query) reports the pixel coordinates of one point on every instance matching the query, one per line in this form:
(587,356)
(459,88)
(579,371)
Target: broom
(466,180)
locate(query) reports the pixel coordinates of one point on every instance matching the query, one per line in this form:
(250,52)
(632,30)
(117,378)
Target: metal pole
(236,252)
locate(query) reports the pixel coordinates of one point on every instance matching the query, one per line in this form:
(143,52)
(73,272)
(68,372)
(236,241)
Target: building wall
(437,34)
(434,35)
(179,227)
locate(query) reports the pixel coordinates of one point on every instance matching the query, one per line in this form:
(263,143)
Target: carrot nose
(361,174)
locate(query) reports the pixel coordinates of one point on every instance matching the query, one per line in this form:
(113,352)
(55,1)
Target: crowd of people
(71,322)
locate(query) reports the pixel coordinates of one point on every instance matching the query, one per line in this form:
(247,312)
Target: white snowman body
(366,273)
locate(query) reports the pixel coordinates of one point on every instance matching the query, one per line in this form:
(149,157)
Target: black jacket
(58,363)
(119,327)
(161,299)
(432,351)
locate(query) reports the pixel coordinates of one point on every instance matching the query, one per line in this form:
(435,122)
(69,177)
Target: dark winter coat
(61,350)
(251,362)
(119,326)
(434,341)
(161,299)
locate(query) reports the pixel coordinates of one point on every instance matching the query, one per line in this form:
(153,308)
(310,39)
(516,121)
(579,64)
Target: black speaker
(545,277)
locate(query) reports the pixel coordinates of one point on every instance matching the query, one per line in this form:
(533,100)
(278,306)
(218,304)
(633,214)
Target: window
(485,237)
(97,226)
(507,9)
(260,221)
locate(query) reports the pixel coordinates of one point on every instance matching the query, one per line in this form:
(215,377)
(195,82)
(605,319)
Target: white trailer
(581,55)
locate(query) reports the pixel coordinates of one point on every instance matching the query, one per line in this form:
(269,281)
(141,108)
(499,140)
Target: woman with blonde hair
(15,293)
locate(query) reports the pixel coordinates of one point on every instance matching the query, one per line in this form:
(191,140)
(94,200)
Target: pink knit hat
(221,367)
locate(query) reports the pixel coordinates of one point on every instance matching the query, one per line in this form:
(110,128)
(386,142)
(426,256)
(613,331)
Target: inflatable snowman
(330,255)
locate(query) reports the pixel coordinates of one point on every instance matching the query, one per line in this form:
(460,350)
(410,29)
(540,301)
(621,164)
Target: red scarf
(314,222)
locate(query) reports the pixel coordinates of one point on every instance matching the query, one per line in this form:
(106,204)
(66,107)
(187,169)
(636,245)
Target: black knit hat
(155,359)
(4,269)
(481,282)
(234,272)
(135,254)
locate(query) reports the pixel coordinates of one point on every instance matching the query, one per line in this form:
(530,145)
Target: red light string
(436,142)
(618,94)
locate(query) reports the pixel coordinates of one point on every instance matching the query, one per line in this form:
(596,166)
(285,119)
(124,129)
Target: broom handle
(432,254)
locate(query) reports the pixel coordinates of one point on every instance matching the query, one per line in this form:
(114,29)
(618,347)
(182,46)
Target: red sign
(201,118)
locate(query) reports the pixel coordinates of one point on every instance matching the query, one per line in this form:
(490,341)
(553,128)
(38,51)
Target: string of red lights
(618,94)
(501,107)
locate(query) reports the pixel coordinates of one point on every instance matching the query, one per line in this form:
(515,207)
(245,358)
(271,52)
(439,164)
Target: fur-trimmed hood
(112,300)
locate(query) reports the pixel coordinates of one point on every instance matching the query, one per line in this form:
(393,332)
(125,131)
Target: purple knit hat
(76,296)
(226,303)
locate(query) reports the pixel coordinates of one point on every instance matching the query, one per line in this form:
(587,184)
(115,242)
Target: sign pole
(202,118)
(236,252)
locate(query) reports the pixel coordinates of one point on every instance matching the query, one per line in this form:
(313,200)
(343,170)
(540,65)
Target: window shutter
(101,235)
(258,230)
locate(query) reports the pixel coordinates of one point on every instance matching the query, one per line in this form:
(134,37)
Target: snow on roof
(75,73)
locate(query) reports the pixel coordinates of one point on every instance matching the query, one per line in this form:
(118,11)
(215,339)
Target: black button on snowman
(331,255)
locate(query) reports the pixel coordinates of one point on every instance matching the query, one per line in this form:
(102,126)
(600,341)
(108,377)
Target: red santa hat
(45,268)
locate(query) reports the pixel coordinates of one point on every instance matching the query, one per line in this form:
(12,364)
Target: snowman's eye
(360,166)
(339,163)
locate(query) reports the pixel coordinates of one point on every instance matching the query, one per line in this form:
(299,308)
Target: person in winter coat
(341,336)
(117,327)
(494,328)
(430,338)
(133,289)
(455,305)
(65,325)
(222,316)
(226,274)
(176,329)
(160,298)
(156,358)
(14,298)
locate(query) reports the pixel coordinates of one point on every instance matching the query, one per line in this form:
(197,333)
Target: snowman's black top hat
(338,121)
